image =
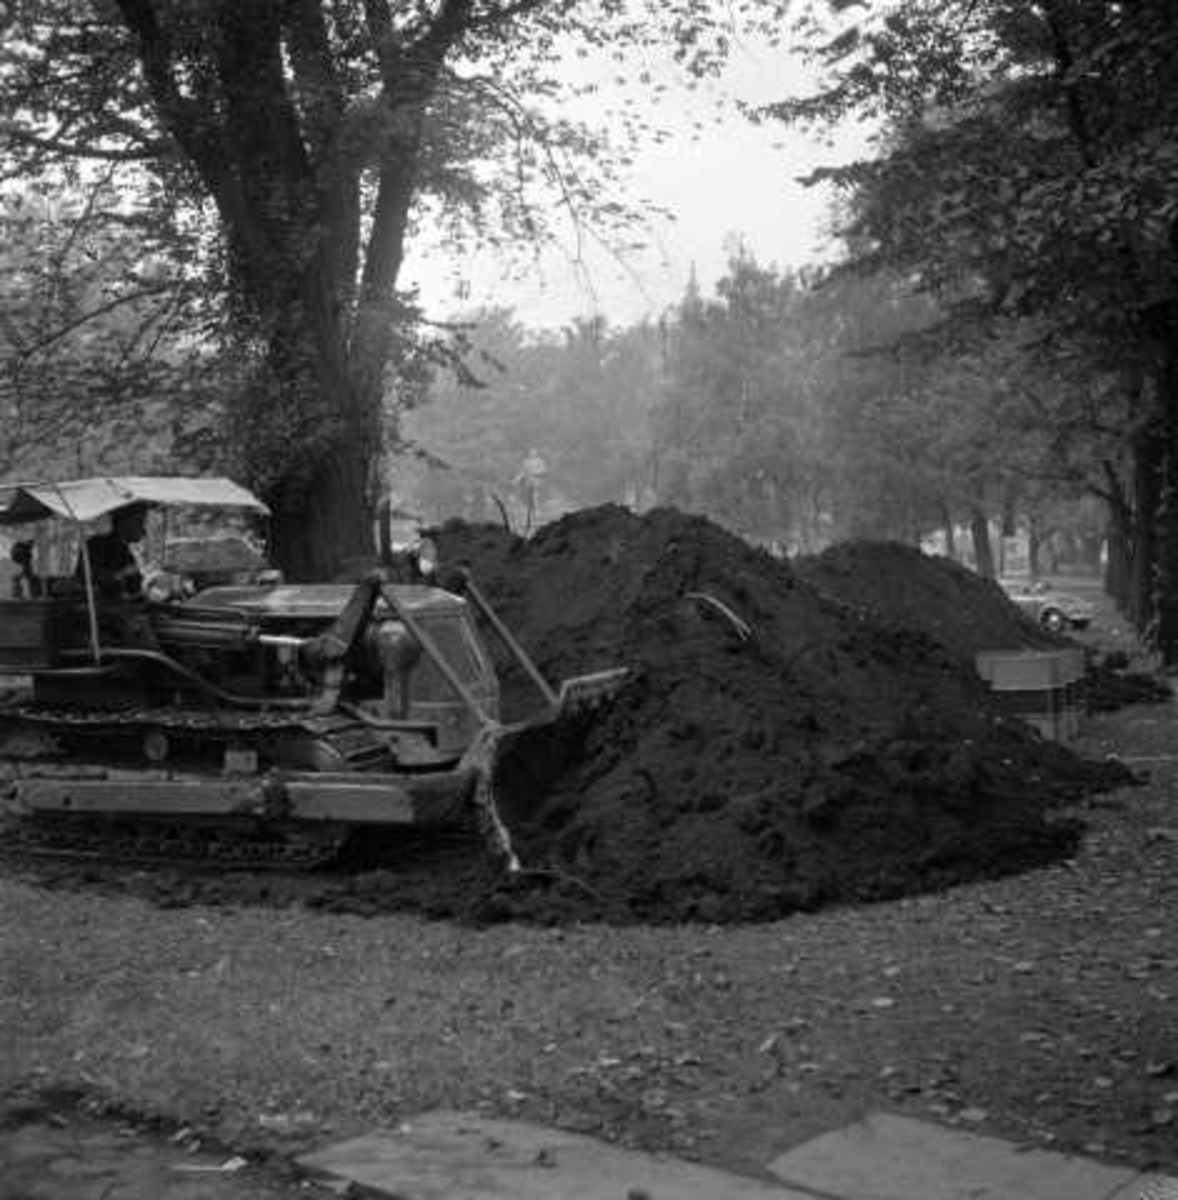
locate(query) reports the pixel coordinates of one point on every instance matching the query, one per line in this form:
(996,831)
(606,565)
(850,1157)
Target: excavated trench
(790,736)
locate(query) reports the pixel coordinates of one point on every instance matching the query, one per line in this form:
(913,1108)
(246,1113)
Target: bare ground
(1040,1007)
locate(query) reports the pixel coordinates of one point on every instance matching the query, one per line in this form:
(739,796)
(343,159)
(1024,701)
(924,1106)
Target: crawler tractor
(252,722)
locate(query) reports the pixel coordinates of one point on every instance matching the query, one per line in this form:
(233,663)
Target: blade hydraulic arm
(463,582)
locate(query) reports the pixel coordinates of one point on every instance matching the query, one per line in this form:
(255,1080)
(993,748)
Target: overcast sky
(731,182)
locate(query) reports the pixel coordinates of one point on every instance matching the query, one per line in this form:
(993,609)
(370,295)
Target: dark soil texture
(839,752)
(788,738)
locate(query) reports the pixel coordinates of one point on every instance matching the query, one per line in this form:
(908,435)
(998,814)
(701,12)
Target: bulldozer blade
(582,693)
(530,757)
(531,754)
(516,764)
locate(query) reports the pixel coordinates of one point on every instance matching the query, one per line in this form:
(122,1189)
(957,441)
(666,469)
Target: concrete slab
(464,1156)
(888,1157)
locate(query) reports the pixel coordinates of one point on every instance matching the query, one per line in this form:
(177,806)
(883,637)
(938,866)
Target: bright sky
(733,183)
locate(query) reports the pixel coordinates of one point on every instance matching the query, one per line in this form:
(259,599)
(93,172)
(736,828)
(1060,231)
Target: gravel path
(1041,1007)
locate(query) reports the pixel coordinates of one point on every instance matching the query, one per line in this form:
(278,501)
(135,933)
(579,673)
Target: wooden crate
(27,640)
(1039,687)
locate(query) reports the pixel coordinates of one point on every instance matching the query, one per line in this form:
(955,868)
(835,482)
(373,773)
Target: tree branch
(84,151)
(508,13)
(315,73)
(190,122)
(184,119)
(410,77)
(26,352)
(1065,64)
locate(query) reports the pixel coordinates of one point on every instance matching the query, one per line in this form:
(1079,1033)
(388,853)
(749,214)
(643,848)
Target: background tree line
(796,409)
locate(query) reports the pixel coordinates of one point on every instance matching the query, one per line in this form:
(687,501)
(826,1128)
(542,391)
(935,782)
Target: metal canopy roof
(89,499)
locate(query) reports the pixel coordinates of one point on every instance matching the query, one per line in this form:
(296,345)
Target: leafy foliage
(1031,154)
(1028,173)
(802,410)
(733,429)
(107,366)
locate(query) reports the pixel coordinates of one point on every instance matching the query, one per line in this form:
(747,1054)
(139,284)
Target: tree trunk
(265,121)
(1165,577)
(1117,573)
(1147,455)
(331,538)
(1119,538)
(1161,321)
(1033,542)
(979,529)
(308,440)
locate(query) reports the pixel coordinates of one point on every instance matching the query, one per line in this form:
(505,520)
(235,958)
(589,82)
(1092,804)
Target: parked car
(1056,610)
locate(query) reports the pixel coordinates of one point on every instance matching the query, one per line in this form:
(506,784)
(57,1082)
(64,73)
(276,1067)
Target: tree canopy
(1030,154)
(1028,172)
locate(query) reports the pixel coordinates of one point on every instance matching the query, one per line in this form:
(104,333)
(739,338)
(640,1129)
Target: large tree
(1030,170)
(312,131)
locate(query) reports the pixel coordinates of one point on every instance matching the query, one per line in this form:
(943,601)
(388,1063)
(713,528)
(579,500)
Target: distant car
(1055,610)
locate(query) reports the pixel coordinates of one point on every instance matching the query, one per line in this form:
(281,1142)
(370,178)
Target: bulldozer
(245,720)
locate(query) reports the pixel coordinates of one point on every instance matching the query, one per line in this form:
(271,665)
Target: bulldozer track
(189,720)
(104,739)
(160,843)
(119,737)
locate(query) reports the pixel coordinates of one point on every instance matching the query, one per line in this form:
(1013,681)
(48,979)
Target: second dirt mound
(965,613)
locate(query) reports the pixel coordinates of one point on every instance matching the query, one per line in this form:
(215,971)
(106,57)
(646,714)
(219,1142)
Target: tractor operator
(118,579)
(114,569)
(28,584)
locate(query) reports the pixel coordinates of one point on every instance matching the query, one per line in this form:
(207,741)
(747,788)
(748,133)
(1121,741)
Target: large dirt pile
(830,756)
(900,584)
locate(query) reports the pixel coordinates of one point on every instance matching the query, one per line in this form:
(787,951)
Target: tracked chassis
(266,724)
(240,789)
